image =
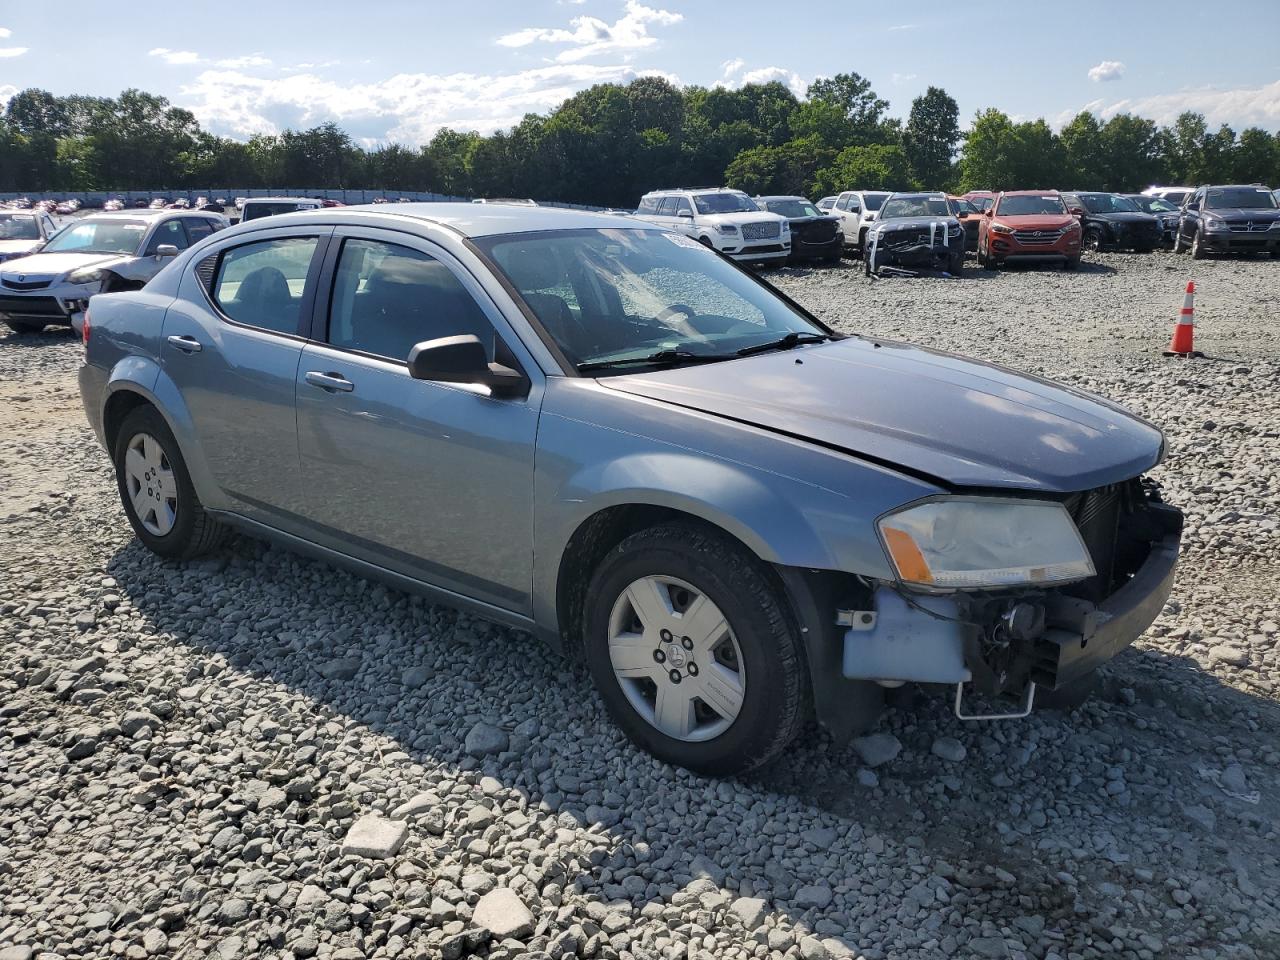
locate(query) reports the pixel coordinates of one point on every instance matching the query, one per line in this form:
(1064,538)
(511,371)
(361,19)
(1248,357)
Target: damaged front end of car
(1019,627)
(909,248)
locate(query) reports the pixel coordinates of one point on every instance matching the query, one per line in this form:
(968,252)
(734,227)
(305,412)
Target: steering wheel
(684,326)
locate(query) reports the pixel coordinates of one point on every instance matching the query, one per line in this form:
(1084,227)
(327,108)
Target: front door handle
(330,381)
(186,344)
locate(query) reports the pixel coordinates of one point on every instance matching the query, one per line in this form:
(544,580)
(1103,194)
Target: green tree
(852,94)
(789,169)
(931,136)
(1082,151)
(1002,155)
(1257,157)
(33,111)
(873,167)
(1130,154)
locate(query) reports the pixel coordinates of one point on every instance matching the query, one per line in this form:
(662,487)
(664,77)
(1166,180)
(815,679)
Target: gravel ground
(257,756)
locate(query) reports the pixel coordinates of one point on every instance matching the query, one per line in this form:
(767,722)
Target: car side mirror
(962,214)
(166,250)
(686,214)
(462,359)
(989,212)
(1076,211)
(1193,205)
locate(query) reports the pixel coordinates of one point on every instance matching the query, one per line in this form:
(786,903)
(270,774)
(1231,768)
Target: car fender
(142,375)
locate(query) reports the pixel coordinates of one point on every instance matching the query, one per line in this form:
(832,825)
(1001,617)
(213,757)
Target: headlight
(1072,227)
(869,217)
(1217,225)
(956,543)
(1275,225)
(955,230)
(786,226)
(1001,228)
(726,228)
(86,275)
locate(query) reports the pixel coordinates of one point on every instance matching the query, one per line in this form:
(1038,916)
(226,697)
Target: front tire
(1198,251)
(26,326)
(693,650)
(156,490)
(1093,240)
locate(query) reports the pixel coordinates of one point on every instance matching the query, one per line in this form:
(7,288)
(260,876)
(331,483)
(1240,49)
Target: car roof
(1028,193)
(466,219)
(784,196)
(281,200)
(145,214)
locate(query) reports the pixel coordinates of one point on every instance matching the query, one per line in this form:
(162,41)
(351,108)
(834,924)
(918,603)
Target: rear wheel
(957,264)
(693,651)
(156,490)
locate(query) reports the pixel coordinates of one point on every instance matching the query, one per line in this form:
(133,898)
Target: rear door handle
(186,344)
(329,381)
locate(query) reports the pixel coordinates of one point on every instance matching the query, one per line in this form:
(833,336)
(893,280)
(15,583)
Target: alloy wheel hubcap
(676,658)
(149,480)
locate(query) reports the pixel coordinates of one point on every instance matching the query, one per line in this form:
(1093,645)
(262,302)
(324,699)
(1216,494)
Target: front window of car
(17,226)
(108,235)
(1247,198)
(1155,205)
(625,295)
(874,201)
(1107,203)
(961,205)
(914,207)
(792,208)
(252,211)
(1031,206)
(724,203)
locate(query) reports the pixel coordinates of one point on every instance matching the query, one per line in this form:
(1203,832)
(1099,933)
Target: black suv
(1113,222)
(814,234)
(1166,211)
(1229,219)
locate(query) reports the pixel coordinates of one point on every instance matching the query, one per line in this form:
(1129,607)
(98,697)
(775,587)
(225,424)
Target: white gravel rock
(375,837)
(503,914)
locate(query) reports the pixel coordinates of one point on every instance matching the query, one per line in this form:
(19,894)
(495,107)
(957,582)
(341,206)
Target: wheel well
(594,538)
(118,407)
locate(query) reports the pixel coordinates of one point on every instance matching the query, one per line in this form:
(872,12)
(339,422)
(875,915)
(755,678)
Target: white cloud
(733,77)
(899,78)
(6,52)
(5,33)
(406,108)
(1241,107)
(730,67)
(591,35)
(1106,71)
(7,91)
(902,26)
(174,57)
(239,63)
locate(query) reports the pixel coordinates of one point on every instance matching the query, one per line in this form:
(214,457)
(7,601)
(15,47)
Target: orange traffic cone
(1184,331)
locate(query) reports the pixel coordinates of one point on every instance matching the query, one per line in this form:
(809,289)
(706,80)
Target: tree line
(611,143)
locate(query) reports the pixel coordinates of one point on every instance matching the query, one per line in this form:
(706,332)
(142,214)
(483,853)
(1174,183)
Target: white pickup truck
(857,210)
(725,220)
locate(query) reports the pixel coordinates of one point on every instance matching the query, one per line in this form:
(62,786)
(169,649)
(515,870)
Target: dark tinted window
(252,211)
(198,228)
(1032,205)
(792,208)
(262,284)
(387,298)
(1247,198)
(170,232)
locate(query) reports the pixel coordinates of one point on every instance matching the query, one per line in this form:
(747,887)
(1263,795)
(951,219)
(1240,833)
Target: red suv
(1030,225)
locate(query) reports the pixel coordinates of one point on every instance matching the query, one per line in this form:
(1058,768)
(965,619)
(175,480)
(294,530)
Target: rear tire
(156,490)
(748,661)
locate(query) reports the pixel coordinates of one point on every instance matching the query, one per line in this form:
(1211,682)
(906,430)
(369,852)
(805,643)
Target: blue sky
(400,69)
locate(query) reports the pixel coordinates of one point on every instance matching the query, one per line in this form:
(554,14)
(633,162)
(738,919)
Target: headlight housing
(997,227)
(1071,227)
(1217,225)
(86,275)
(956,543)
(726,228)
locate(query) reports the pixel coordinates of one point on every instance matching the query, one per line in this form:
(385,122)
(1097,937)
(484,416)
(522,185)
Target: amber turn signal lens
(907,556)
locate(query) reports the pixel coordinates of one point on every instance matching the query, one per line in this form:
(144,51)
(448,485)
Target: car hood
(741,218)
(958,422)
(916,222)
(56,264)
(1257,214)
(1124,216)
(1036,221)
(17,246)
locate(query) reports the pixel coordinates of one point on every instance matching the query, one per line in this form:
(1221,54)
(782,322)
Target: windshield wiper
(661,357)
(793,339)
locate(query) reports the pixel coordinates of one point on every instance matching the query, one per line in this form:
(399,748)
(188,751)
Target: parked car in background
(1165,211)
(826,203)
(525,202)
(115,203)
(99,253)
(256,207)
(1175,195)
(857,211)
(67,207)
(1240,218)
(723,219)
(159,203)
(982,199)
(968,215)
(1113,222)
(20,203)
(1032,226)
(915,231)
(737,519)
(23,232)
(814,234)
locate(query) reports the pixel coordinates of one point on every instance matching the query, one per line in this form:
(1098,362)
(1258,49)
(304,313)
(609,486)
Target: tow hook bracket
(1026,706)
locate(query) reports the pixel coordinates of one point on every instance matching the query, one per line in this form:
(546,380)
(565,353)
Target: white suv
(726,220)
(857,210)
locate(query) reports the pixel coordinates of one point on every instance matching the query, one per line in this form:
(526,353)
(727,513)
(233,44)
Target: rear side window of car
(262,284)
(388,298)
(648,205)
(198,228)
(169,232)
(668,207)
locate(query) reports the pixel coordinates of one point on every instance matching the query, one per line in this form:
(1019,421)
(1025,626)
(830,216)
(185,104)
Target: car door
(1189,222)
(232,350)
(684,218)
(429,479)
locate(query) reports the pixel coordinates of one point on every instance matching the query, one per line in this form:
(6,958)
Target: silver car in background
(605,433)
(101,253)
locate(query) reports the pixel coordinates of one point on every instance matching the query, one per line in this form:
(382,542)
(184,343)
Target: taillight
(84,330)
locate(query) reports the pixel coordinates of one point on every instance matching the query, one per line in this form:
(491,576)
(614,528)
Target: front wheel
(692,649)
(1093,240)
(26,326)
(1198,251)
(156,490)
